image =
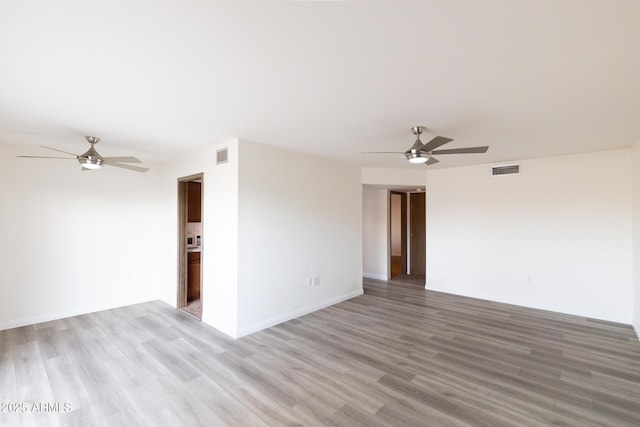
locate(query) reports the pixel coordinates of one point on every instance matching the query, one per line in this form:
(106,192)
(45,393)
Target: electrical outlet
(309,281)
(316,281)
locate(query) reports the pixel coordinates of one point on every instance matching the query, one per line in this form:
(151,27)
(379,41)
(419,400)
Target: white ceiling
(331,78)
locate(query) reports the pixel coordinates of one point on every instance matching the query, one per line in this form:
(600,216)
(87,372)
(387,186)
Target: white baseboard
(528,304)
(264,324)
(375,276)
(40,318)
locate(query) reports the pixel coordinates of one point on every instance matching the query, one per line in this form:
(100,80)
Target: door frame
(405,228)
(181,297)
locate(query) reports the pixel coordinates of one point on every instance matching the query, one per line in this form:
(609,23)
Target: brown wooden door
(418,226)
(194,202)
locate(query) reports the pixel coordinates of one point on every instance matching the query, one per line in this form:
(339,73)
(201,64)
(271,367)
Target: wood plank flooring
(398,355)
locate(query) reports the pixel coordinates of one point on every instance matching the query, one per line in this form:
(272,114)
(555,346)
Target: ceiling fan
(423,153)
(92,160)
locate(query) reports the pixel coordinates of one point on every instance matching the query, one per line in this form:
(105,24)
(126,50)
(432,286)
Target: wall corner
(635,233)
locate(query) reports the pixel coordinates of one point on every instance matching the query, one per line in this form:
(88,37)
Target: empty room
(320,213)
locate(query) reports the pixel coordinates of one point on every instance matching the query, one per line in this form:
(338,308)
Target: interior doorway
(407,236)
(190,244)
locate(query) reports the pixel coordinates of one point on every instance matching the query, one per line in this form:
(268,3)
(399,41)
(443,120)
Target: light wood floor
(398,355)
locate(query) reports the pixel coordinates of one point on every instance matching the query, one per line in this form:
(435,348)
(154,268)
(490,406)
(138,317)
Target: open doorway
(407,236)
(190,244)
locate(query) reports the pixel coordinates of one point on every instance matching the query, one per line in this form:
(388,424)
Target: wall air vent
(505,170)
(221,156)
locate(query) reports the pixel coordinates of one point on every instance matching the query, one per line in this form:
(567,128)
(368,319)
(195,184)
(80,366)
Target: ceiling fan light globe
(418,160)
(91,162)
(91,166)
(416,156)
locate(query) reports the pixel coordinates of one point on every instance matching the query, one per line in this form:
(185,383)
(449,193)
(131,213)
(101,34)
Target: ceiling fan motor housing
(91,159)
(414,154)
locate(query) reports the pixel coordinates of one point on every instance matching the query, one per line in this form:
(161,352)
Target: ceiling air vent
(221,156)
(505,170)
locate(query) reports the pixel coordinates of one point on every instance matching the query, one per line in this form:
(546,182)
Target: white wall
(219,259)
(374,233)
(75,242)
(390,178)
(299,217)
(636,236)
(556,237)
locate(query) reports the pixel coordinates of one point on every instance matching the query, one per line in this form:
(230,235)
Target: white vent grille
(221,156)
(505,170)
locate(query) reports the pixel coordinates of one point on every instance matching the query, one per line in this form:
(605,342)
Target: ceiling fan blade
(436,142)
(123,159)
(44,157)
(382,152)
(60,151)
(431,161)
(467,150)
(133,168)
